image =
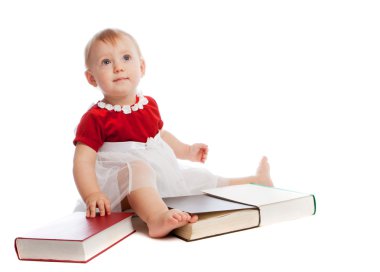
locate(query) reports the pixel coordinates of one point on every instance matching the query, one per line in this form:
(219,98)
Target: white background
(294,80)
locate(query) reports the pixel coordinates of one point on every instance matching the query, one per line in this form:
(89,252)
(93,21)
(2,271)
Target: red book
(74,238)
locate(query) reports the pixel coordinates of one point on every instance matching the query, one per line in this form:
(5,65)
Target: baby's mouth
(120,79)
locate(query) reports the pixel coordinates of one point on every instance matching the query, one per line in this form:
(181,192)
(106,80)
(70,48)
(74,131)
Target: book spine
(15,245)
(315,204)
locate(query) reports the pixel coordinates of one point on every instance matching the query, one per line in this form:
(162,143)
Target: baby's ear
(142,66)
(90,78)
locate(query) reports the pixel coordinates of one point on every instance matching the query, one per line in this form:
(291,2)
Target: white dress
(122,167)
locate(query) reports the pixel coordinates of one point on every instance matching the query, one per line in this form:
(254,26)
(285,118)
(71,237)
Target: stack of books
(232,208)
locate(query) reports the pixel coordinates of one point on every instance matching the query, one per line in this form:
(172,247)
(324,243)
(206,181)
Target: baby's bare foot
(161,224)
(263,173)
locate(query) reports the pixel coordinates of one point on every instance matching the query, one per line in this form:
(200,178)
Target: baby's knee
(142,171)
(140,174)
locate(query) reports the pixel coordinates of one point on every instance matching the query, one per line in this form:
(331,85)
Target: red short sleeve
(90,131)
(157,112)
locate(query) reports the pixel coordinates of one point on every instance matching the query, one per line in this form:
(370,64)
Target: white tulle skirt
(122,167)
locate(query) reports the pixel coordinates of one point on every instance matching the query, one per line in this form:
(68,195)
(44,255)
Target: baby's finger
(204,157)
(205,149)
(92,209)
(107,205)
(101,207)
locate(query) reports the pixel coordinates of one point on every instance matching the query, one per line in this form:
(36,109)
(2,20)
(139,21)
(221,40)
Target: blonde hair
(109,35)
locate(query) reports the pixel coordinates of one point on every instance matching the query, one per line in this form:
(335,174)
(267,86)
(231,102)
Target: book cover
(197,204)
(74,238)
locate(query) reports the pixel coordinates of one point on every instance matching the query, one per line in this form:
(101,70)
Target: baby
(123,156)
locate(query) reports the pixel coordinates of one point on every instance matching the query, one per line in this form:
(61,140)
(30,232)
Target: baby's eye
(126,57)
(106,61)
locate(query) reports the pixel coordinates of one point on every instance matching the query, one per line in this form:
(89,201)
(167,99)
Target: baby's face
(116,69)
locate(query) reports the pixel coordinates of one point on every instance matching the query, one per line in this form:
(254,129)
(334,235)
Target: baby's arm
(196,152)
(85,179)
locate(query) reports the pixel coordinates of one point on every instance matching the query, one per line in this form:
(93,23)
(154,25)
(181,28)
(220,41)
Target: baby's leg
(262,176)
(145,200)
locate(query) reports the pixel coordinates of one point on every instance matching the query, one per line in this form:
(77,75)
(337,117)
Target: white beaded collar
(127,109)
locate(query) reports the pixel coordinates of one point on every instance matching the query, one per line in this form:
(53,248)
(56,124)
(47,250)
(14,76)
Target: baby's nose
(118,67)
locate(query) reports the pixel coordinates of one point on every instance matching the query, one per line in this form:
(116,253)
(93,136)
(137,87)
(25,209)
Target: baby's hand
(99,200)
(198,153)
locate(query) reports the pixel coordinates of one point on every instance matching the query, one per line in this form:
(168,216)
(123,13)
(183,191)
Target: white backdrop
(294,80)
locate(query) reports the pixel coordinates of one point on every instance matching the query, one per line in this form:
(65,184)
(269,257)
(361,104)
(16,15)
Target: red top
(101,125)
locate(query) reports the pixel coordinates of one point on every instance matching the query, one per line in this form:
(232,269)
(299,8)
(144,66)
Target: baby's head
(114,63)
(110,36)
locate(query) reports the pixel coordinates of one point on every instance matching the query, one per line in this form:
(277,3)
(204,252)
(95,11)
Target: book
(275,204)
(219,212)
(215,216)
(74,238)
